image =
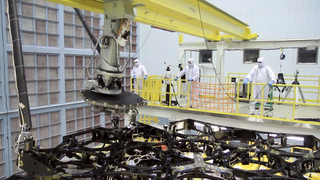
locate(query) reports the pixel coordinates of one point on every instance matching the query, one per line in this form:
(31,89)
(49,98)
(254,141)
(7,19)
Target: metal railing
(303,80)
(289,110)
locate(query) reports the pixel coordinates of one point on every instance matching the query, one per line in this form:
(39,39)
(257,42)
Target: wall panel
(56,50)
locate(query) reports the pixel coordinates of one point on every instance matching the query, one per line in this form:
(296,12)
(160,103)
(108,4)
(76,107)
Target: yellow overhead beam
(89,5)
(194,17)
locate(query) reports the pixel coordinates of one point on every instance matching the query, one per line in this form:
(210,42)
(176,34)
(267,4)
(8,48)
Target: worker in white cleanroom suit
(138,71)
(260,73)
(184,83)
(192,75)
(167,82)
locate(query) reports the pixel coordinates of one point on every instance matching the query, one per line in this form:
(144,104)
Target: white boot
(252,109)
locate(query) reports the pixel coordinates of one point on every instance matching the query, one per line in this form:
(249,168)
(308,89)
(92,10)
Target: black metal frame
(223,149)
(20,78)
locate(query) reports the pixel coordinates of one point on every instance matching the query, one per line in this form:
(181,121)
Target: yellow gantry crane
(194,17)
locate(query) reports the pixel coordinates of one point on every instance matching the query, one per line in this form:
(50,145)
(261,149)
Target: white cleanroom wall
(158,49)
(273,19)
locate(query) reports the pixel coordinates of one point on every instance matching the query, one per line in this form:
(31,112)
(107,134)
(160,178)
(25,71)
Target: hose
(175,95)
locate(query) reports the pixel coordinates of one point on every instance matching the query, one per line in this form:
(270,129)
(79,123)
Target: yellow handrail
(157,93)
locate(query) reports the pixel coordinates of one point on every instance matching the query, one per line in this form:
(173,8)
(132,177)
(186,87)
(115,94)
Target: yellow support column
(180,38)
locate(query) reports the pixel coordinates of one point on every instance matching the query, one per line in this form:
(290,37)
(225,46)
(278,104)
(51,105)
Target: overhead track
(194,17)
(271,44)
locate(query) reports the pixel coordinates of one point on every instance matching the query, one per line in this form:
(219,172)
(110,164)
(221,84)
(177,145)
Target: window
(251,55)
(307,56)
(205,56)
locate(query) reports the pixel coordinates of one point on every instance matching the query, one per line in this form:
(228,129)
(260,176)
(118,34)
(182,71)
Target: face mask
(190,65)
(136,64)
(260,65)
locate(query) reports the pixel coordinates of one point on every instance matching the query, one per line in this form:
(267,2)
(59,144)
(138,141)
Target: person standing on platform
(191,71)
(260,73)
(138,71)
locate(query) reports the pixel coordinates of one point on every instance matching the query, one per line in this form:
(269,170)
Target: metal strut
(87,28)
(20,78)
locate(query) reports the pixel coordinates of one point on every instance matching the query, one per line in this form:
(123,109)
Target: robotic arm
(105,89)
(116,31)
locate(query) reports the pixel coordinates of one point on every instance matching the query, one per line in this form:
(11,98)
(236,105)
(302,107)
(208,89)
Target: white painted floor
(280,111)
(283,111)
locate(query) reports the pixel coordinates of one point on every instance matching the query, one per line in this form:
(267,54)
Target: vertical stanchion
(188,95)
(294,101)
(238,93)
(170,94)
(262,101)
(318,100)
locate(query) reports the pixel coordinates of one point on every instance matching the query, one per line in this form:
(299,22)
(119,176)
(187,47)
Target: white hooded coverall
(260,74)
(192,72)
(139,71)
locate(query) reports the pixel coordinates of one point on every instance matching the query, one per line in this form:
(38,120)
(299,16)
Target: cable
(95,60)
(21,121)
(204,36)
(233,99)
(175,95)
(215,72)
(115,39)
(147,35)
(128,58)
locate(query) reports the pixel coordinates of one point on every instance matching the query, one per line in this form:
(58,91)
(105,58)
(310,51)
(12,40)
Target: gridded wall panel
(42,75)
(2,152)
(133,39)
(38,23)
(75,34)
(127,73)
(46,130)
(50,75)
(1,91)
(82,119)
(74,76)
